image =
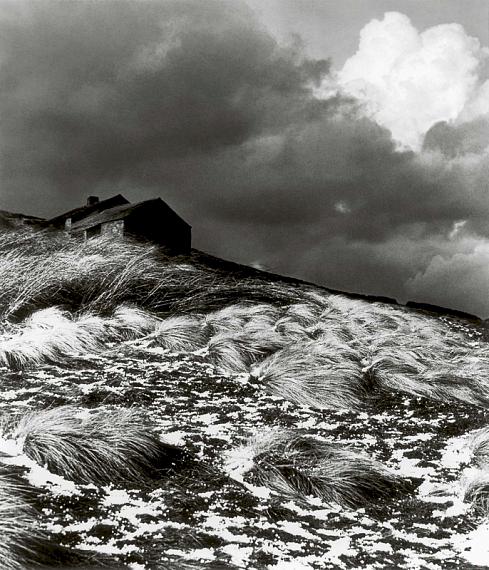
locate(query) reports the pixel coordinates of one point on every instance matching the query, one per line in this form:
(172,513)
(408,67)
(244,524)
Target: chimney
(91,200)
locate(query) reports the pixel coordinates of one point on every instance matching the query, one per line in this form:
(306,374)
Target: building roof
(84,211)
(121,212)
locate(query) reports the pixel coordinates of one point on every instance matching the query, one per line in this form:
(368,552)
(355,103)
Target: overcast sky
(344,142)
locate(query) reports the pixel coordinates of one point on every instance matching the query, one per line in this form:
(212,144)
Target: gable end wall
(113,229)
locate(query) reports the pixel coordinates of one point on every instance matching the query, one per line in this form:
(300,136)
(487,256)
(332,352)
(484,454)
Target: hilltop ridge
(185,412)
(13,221)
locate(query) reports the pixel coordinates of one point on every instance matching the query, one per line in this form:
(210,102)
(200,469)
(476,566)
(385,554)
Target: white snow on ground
(237,521)
(474,546)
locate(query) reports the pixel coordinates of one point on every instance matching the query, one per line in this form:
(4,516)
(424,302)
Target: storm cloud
(264,150)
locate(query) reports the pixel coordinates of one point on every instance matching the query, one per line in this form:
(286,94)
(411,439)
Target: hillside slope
(185,413)
(14,221)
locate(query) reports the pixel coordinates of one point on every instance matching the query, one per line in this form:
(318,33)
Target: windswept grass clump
(236,353)
(243,335)
(477,493)
(184,333)
(441,365)
(480,448)
(20,535)
(102,447)
(304,314)
(475,483)
(234,318)
(48,335)
(315,374)
(52,334)
(344,352)
(302,467)
(130,322)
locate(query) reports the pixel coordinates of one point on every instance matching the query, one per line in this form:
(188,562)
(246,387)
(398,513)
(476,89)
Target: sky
(344,142)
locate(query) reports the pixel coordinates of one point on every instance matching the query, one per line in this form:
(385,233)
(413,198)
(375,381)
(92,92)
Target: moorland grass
(48,335)
(101,274)
(130,322)
(17,521)
(53,334)
(314,374)
(237,352)
(101,447)
(480,448)
(308,345)
(474,482)
(243,335)
(300,467)
(184,333)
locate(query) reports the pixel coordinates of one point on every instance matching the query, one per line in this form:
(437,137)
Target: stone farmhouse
(151,220)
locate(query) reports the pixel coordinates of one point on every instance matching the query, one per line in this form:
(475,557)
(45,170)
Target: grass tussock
(477,493)
(480,448)
(103,447)
(303,467)
(315,374)
(233,318)
(48,335)
(443,367)
(242,335)
(129,322)
(52,334)
(183,333)
(356,351)
(475,479)
(19,530)
(236,353)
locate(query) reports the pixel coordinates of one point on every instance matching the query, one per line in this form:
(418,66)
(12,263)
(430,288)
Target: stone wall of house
(113,229)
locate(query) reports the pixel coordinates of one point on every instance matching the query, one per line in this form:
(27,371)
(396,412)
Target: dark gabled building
(152,220)
(93,205)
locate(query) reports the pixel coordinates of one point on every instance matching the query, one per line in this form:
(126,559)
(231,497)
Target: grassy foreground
(162,412)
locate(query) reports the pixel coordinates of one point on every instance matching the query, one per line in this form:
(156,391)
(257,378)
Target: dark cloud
(457,140)
(195,101)
(93,90)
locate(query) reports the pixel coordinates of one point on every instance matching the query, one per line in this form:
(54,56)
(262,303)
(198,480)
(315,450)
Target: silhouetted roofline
(86,210)
(121,212)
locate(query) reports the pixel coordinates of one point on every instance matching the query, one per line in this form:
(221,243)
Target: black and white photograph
(244,284)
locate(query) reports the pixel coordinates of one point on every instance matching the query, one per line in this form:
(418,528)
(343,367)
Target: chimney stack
(91,200)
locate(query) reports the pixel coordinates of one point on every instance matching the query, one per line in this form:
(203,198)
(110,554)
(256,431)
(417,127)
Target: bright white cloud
(478,105)
(408,80)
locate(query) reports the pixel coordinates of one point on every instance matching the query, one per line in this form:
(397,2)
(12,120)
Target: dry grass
(476,487)
(130,322)
(315,374)
(52,334)
(19,530)
(243,335)
(48,335)
(236,353)
(480,448)
(313,347)
(101,274)
(303,467)
(103,447)
(184,333)
(234,318)
(474,482)
(353,350)
(477,493)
